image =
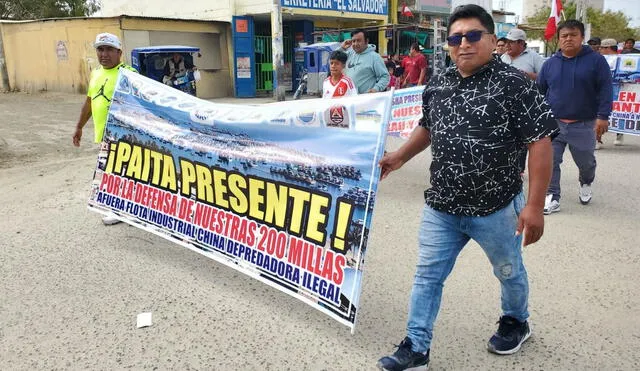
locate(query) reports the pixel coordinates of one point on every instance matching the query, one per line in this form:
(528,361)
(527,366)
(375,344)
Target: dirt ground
(38,127)
(70,288)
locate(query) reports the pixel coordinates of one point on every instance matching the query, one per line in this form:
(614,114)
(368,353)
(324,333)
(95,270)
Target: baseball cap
(607,43)
(516,34)
(107,39)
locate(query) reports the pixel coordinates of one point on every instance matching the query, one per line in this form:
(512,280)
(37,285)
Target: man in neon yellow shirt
(101,88)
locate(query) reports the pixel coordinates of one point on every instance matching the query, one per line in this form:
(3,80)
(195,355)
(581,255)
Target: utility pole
(4,76)
(581,15)
(437,52)
(277,51)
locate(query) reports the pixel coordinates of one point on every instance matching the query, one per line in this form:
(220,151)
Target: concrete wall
(4,76)
(58,55)
(218,10)
(253,7)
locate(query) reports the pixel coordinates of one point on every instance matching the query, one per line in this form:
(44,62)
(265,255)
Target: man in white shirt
(337,84)
(519,56)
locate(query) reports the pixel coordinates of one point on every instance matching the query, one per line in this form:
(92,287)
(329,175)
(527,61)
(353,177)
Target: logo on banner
(337,117)
(307,119)
(185,105)
(279,119)
(124,85)
(202,115)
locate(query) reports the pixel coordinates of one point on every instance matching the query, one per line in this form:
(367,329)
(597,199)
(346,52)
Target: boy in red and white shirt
(338,84)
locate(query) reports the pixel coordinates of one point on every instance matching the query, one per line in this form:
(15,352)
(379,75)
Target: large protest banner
(406,111)
(625,113)
(282,192)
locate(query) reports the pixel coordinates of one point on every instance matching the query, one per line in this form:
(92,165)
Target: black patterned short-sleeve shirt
(480,127)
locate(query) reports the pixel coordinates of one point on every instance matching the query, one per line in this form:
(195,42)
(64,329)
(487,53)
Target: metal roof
(167,49)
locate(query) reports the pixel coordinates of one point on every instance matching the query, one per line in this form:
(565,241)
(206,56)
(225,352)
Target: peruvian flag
(554,19)
(406,11)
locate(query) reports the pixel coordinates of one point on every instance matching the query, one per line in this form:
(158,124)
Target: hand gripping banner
(282,192)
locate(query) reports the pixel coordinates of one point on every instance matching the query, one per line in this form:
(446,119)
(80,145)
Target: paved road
(70,288)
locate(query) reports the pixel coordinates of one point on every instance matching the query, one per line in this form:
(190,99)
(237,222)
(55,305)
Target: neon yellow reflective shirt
(101,88)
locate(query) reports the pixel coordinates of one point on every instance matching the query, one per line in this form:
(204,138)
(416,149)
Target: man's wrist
(536,206)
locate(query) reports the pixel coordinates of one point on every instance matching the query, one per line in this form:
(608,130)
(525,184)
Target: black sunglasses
(472,37)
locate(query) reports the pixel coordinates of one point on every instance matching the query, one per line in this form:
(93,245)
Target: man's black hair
(415,46)
(390,64)
(503,39)
(594,41)
(357,31)
(339,55)
(472,11)
(632,40)
(572,24)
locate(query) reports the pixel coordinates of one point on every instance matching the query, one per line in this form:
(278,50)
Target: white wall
(216,10)
(536,45)
(210,10)
(486,4)
(253,7)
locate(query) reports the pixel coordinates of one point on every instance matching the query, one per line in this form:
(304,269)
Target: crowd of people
(357,64)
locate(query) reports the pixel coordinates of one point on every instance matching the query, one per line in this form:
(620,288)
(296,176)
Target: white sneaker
(585,194)
(110,220)
(619,140)
(551,205)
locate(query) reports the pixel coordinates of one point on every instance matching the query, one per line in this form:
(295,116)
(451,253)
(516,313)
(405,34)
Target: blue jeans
(442,237)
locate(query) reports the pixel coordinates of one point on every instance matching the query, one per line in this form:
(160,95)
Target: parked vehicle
(151,62)
(302,85)
(314,60)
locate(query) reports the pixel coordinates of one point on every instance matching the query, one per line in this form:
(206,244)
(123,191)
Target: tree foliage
(605,25)
(38,9)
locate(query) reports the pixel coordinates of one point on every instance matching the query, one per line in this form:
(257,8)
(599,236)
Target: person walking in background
(519,56)
(501,47)
(610,47)
(525,60)
(364,66)
(594,43)
(629,47)
(576,82)
(337,84)
(479,117)
(415,68)
(102,85)
(394,82)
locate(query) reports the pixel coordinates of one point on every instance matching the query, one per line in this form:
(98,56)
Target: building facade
(58,54)
(303,22)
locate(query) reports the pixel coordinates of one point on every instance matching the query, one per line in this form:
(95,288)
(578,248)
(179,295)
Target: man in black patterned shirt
(479,118)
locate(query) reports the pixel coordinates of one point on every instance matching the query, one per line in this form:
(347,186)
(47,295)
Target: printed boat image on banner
(274,190)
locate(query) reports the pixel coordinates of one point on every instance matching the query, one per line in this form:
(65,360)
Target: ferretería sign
(378,7)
